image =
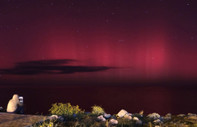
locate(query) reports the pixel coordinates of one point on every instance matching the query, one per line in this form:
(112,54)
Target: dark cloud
(57,66)
(46,62)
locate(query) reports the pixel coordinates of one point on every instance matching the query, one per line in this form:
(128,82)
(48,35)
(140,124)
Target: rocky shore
(18,120)
(121,119)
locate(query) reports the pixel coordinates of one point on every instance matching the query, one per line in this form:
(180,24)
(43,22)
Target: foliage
(65,109)
(97,110)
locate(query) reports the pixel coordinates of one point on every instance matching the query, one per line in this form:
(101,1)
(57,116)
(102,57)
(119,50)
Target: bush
(65,109)
(97,110)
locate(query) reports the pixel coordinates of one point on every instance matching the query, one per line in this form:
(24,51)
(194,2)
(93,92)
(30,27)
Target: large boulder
(122,113)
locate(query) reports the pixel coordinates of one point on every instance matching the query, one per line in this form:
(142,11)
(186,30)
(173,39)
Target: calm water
(161,99)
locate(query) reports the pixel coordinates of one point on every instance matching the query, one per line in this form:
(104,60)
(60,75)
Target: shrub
(65,109)
(97,110)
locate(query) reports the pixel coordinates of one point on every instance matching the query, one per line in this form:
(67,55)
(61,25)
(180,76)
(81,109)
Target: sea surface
(162,99)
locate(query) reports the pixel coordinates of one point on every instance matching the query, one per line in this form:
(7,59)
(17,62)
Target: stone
(135,118)
(154,116)
(122,113)
(53,117)
(113,122)
(157,121)
(107,116)
(14,105)
(181,115)
(127,116)
(141,113)
(101,118)
(167,116)
(191,114)
(194,117)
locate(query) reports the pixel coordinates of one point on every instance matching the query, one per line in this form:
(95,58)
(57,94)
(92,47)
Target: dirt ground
(16,120)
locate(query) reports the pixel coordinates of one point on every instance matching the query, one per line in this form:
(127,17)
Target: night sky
(77,41)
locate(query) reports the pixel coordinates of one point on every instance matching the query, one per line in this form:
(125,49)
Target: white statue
(15,105)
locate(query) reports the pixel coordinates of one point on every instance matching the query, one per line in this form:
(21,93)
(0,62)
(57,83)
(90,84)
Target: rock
(191,114)
(181,115)
(167,116)
(141,113)
(122,113)
(139,122)
(101,118)
(53,117)
(157,121)
(127,116)
(135,118)
(154,116)
(113,122)
(194,117)
(107,116)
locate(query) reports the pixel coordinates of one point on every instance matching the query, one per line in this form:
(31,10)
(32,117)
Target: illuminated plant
(65,109)
(97,110)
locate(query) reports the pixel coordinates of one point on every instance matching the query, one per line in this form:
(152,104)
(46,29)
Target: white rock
(181,115)
(135,118)
(113,122)
(122,113)
(101,118)
(107,116)
(154,116)
(167,116)
(127,116)
(192,117)
(157,121)
(53,117)
(191,114)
